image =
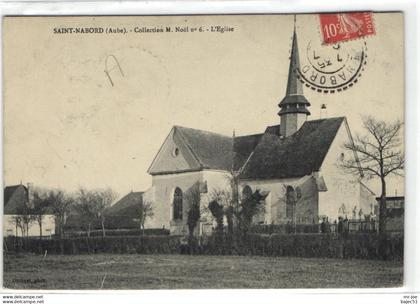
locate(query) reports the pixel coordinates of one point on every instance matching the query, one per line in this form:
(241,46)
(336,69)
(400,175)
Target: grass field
(192,272)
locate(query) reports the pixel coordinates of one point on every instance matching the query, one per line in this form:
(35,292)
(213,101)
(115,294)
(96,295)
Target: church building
(294,164)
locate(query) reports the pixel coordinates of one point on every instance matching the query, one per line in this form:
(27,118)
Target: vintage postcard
(204,151)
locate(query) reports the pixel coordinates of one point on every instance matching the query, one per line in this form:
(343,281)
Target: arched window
(177,204)
(290,201)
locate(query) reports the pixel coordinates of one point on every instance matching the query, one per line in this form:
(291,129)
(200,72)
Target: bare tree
(86,206)
(60,204)
(23,218)
(147,212)
(105,199)
(16,220)
(379,154)
(144,211)
(40,206)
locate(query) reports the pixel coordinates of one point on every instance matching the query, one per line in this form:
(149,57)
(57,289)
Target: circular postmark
(332,68)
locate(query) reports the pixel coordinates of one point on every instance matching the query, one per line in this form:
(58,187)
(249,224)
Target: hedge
(108,244)
(364,246)
(119,232)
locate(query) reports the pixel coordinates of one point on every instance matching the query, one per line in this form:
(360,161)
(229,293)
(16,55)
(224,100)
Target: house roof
(127,205)
(297,155)
(14,198)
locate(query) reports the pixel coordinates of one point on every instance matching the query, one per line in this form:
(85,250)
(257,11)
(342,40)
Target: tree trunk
(61,226)
(142,229)
(219,226)
(40,228)
(61,231)
(382,209)
(382,222)
(191,229)
(235,199)
(103,226)
(229,219)
(88,230)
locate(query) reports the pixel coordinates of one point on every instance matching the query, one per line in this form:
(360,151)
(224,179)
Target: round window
(175,152)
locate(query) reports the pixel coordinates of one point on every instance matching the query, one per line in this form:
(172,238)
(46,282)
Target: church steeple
(293,107)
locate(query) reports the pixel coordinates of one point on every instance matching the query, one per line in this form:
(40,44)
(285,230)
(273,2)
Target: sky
(66,125)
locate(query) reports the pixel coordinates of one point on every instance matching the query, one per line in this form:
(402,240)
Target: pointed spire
(293,108)
(294,101)
(294,86)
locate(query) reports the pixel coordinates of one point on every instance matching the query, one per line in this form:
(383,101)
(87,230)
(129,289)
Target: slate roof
(127,205)
(212,150)
(243,147)
(265,155)
(14,198)
(297,155)
(273,130)
(216,151)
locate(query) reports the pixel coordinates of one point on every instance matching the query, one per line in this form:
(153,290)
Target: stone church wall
(367,200)
(275,202)
(343,194)
(307,203)
(162,194)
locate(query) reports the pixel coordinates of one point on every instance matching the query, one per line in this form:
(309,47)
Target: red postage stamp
(346,26)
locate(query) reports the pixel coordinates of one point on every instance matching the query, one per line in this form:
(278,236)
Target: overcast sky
(66,125)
